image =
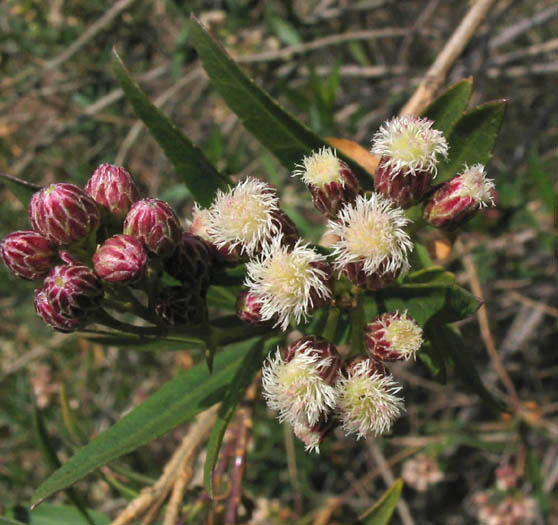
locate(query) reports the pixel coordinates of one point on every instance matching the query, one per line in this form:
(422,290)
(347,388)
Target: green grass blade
(382,511)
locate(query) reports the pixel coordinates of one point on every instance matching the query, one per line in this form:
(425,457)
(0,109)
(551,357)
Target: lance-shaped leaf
(287,138)
(22,189)
(381,512)
(473,138)
(448,107)
(177,401)
(190,163)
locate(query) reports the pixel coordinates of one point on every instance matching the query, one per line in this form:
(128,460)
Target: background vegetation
(343,68)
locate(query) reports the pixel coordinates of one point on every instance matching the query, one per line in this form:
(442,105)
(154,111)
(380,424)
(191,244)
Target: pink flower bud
(73,289)
(179,305)
(120,259)
(191,261)
(63,213)
(457,200)
(28,254)
(52,317)
(329,179)
(248,307)
(154,223)
(409,148)
(113,188)
(393,336)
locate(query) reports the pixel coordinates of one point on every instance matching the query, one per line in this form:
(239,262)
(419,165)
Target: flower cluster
(102,246)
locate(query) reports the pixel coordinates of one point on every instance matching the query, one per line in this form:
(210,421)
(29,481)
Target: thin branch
(529,51)
(436,75)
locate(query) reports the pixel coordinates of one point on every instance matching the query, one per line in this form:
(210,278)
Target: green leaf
(473,138)
(22,189)
(6,521)
(381,512)
(449,343)
(49,514)
(138,342)
(250,365)
(277,130)
(190,163)
(177,401)
(448,107)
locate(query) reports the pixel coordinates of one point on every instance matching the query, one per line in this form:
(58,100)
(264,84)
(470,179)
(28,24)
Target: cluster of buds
(93,245)
(313,391)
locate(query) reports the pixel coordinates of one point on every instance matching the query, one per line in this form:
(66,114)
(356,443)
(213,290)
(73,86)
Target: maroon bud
(288,229)
(457,200)
(373,366)
(330,181)
(154,223)
(317,297)
(404,188)
(375,281)
(321,348)
(180,305)
(393,336)
(248,307)
(113,188)
(73,289)
(28,254)
(191,261)
(120,259)
(63,213)
(52,317)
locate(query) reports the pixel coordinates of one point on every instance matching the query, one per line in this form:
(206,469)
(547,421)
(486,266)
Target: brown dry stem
(150,499)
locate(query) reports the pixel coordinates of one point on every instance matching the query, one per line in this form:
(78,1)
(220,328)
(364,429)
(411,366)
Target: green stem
(103,317)
(357,328)
(331,324)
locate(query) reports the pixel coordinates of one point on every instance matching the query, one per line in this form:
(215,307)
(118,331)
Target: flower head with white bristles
(370,232)
(475,185)
(368,401)
(409,144)
(289,282)
(320,168)
(393,336)
(243,217)
(297,386)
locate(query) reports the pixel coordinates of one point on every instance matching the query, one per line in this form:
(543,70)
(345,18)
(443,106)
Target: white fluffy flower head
(367,402)
(310,437)
(475,185)
(409,144)
(371,231)
(286,281)
(403,334)
(243,216)
(296,389)
(320,168)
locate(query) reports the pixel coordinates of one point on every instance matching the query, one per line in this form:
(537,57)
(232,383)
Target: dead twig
(149,497)
(436,75)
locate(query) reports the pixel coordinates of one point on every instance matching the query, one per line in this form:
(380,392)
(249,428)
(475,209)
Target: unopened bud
(248,307)
(52,317)
(63,213)
(120,259)
(113,188)
(73,290)
(28,254)
(154,223)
